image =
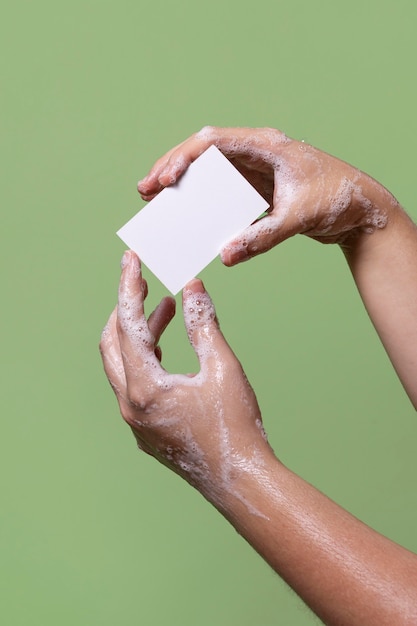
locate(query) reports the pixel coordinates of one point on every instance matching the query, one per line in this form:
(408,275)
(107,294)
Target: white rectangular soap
(180,231)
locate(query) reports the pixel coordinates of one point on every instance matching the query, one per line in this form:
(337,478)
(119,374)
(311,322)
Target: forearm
(384,267)
(347,573)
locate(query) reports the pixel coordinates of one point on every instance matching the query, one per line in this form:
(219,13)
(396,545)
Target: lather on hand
(309,191)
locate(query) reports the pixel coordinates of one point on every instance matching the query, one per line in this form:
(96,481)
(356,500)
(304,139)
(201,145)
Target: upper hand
(309,191)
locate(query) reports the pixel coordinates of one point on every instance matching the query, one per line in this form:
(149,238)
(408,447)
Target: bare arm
(346,572)
(322,197)
(384,267)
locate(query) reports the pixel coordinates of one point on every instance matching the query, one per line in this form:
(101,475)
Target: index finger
(137,344)
(257,144)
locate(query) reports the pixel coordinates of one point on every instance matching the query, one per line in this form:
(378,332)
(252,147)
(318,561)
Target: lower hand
(206,427)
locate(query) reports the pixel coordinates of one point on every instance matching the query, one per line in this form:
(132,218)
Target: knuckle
(138,401)
(280,137)
(208,134)
(141,400)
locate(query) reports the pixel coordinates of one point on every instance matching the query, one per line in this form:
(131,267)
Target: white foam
(175,167)
(246,142)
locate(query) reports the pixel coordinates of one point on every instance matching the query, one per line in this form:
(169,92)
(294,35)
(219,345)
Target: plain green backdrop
(93,533)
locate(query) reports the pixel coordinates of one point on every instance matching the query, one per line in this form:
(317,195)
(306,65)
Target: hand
(206,427)
(309,191)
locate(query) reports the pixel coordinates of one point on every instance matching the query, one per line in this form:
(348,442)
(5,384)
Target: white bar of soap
(180,231)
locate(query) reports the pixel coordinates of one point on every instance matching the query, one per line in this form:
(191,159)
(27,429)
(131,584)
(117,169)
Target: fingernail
(195,286)
(231,256)
(225,256)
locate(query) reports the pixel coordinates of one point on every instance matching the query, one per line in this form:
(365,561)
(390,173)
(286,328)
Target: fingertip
(167,178)
(232,255)
(163,179)
(130,264)
(164,313)
(145,186)
(195,286)
(131,285)
(226,257)
(171,303)
(125,260)
(149,187)
(141,185)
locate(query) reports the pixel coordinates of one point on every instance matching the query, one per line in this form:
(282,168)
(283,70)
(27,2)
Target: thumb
(260,237)
(202,324)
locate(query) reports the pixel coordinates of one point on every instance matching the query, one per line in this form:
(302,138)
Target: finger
(186,153)
(257,145)
(149,186)
(260,237)
(136,340)
(112,358)
(280,223)
(203,327)
(161,317)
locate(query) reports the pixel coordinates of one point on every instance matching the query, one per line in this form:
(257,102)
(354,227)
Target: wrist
(376,213)
(384,267)
(239,492)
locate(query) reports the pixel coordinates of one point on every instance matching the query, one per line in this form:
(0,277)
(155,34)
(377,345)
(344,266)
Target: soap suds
(175,167)
(249,143)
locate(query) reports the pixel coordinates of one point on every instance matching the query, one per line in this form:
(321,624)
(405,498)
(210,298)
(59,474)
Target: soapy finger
(150,186)
(258,238)
(255,149)
(203,329)
(137,344)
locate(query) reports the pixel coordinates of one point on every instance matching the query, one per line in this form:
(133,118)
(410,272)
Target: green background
(93,533)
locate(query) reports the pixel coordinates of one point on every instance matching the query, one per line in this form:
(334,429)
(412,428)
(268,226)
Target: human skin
(317,195)
(345,571)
